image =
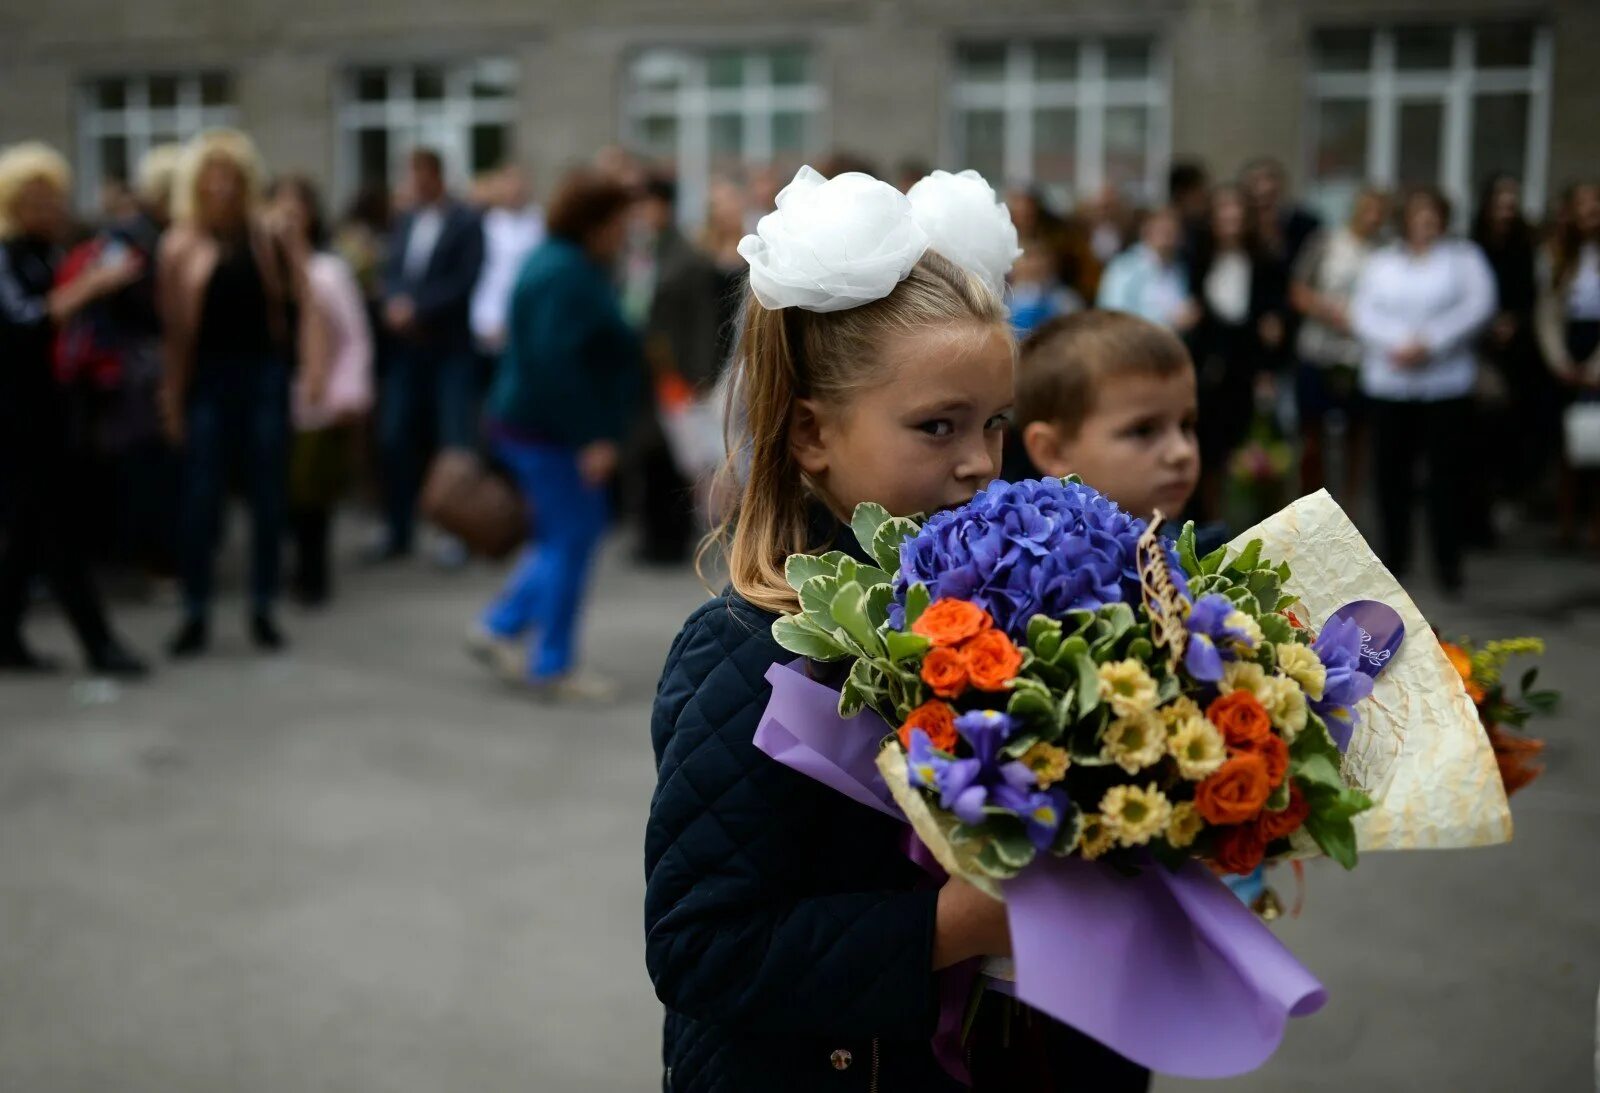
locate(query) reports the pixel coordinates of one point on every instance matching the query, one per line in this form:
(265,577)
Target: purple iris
(1339,649)
(1211,639)
(967,786)
(1020,549)
(1040,811)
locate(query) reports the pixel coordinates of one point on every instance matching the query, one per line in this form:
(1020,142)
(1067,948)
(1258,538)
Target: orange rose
(992,660)
(1239,849)
(936,719)
(1275,753)
(945,670)
(1241,718)
(1280,825)
(1459,659)
(1234,793)
(950,622)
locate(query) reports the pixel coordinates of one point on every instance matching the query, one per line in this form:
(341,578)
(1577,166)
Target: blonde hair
(786,355)
(24,163)
(158,175)
(225,144)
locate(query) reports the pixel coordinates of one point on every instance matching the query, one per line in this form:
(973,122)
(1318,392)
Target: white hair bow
(842,242)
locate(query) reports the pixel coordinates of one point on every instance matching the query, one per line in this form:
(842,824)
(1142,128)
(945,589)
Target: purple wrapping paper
(1170,970)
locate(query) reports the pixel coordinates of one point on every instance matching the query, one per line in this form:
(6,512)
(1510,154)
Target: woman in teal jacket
(563,397)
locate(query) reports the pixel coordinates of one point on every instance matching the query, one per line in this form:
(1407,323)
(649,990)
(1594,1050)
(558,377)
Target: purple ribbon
(1169,970)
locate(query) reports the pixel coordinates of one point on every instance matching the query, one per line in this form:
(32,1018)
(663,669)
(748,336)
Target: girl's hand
(968,923)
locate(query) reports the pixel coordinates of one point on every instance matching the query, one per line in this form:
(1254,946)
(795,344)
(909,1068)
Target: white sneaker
(503,656)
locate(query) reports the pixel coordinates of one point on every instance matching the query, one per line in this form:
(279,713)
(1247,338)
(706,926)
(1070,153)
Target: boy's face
(925,435)
(1137,446)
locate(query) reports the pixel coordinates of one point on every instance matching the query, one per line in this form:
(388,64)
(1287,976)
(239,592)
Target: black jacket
(788,936)
(442,292)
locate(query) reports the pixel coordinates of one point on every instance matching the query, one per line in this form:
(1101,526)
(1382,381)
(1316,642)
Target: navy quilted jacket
(789,938)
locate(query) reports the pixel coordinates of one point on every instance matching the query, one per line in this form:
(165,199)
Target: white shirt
(1227,287)
(1583,294)
(1442,299)
(509,235)
(425,229)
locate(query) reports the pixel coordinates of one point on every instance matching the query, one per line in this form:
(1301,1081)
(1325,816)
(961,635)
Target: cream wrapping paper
(1419,750)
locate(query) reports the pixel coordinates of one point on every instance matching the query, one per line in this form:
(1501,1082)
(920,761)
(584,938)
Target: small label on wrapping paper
(1381,632)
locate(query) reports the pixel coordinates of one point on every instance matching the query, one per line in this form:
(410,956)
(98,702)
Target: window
(120,118)
(1070,114)
(706,112)
(463,110)
(1448,105)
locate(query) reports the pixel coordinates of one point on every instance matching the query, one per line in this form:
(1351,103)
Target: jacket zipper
(872,1077)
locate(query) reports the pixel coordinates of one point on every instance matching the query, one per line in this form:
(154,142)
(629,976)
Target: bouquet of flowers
(1481,670)
(1064,682)
(1089,722)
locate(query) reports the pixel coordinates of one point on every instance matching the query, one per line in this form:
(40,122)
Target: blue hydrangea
(1020,549)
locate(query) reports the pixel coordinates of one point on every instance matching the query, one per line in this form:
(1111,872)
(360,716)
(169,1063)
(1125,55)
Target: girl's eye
(940,427)
(1002,420)
(1141,430)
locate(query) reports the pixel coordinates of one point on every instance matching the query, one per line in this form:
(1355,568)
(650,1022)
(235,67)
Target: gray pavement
(363,866)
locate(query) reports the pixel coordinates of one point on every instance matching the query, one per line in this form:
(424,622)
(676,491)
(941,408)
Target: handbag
(474,500)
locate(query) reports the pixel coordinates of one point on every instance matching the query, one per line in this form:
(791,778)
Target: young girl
(794,943)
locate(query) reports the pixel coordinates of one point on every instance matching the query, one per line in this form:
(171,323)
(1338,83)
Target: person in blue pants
(563,398)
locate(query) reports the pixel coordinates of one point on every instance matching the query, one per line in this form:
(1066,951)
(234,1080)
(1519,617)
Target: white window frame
(693,103)
(138,122)
(1384,88)
(1019,93)
(444,124)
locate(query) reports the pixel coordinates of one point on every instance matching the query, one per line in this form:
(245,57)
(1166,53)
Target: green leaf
(851,699)
(1528,679)
(878,597)
(1018,745)
(1067,834)
(1071,649)
(1276,629)
(1285,602)
(1248,558)
(1081,620)
(865,522)
(817,595)
(990,862)
(800,568)
(1032,709)
(802,640)
(850,612)
(1243,600)
(848,568)
(1186,555)
(886,543)
(1336,837)
(1279,798)
(1542,701)
(902,646)
(1011,843)
(1088,686)
(916,603)
(1140,649)
(1212,562)
(870,576)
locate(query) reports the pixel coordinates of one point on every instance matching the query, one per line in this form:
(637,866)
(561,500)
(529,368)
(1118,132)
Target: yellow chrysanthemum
(1176,712)
(1048,763)
(1300,664)
(1095,838)
(1134,743)
(1285,703)
(1245,624)
(1185,825)
(1242,675)
(1199,748)
(1127,686)
(1134,815)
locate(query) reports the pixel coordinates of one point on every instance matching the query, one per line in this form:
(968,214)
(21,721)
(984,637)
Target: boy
(1111,397)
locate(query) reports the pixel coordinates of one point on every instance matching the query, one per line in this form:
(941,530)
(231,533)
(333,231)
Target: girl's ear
(1043,443)
(806,441)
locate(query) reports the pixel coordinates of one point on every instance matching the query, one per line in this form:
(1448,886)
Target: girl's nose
(980,463)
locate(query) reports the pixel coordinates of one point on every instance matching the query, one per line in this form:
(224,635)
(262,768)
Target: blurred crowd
(218,334)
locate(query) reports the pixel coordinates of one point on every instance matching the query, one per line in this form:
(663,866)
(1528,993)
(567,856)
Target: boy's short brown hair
(1061,364)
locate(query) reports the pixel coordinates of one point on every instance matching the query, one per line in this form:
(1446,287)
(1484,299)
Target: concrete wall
(1238,66)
